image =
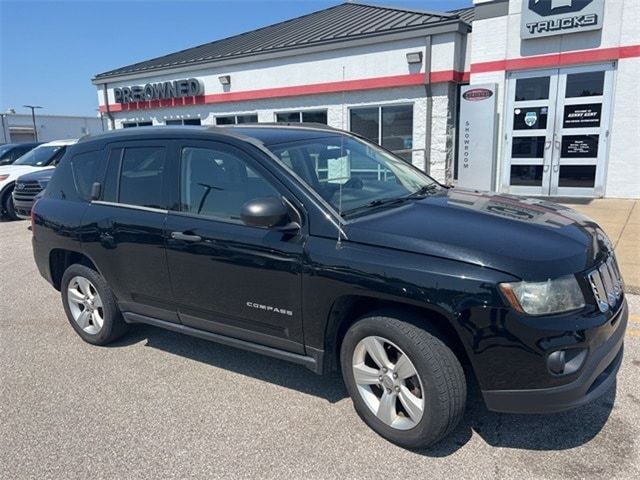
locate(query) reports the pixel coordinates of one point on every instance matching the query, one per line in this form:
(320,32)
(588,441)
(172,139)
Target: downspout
(105,96)
(429,99)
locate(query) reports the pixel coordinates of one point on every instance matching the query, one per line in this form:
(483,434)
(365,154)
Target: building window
(136,124)
(186,121)
(390,126)
(308,116)
(236,119)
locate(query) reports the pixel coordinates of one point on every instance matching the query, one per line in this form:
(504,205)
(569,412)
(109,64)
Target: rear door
(227,277)
(127,227)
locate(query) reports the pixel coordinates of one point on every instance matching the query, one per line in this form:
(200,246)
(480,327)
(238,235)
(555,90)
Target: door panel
(581,125)
(125,228)
(529,132)
(227,277)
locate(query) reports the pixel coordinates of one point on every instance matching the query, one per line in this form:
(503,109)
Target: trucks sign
(543,18)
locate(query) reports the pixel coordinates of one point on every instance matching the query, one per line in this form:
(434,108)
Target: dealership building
(533,97)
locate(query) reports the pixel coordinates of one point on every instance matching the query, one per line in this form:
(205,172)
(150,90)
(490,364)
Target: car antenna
(339,243)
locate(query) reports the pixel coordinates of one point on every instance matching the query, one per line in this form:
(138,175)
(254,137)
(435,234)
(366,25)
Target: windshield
(41,156)
(350,174)
(4,149)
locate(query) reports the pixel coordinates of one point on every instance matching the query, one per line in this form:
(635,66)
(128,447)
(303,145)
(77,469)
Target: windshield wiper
(425,190)
(374,204)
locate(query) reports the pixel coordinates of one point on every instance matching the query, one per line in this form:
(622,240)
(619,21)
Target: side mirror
(267,212)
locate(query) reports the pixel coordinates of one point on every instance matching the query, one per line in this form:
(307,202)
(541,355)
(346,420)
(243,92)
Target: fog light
(564,362)
(556,363)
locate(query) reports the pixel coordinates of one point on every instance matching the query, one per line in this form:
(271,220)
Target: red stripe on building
(412,79)
(558,59)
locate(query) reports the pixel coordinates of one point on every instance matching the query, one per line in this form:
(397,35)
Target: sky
(50,50)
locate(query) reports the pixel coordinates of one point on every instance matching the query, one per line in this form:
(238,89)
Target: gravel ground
(160,405)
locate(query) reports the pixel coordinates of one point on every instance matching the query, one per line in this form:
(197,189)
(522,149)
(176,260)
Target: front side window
(42,156)
(141,177)
(351,174)
(217,182)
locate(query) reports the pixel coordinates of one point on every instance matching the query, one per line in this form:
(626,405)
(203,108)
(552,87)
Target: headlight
(544,298)
(3,177)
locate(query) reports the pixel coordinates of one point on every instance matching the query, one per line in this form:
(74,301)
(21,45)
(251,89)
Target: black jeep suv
(315,246)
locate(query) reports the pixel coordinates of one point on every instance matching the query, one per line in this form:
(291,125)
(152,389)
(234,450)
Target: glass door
(556,131)
(581,131)
(531,111)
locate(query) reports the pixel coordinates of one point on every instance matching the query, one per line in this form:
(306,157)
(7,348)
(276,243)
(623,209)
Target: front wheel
(405,383)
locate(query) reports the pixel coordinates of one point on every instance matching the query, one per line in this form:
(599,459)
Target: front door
(227,277)
(556,132)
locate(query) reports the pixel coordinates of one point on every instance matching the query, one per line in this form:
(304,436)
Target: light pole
(33,117)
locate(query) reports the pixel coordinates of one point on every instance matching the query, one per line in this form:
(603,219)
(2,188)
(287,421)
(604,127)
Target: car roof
(265,133)
(24,144)
(60,143)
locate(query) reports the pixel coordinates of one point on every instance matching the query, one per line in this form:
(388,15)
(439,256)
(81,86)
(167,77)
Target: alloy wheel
(388,382)
(85,305)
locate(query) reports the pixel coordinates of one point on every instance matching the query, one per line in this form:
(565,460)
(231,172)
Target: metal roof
(347,21)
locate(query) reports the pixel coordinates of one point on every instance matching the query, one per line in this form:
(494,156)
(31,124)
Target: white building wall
(53,127)
(498,38)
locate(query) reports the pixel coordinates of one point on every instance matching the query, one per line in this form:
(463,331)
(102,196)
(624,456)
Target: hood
(14,171)
(43,173)
(529,238)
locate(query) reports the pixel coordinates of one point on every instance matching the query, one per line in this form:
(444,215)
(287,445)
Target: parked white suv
(46,155)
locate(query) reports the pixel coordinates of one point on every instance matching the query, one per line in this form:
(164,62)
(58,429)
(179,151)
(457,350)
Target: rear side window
(135,176)
(87,168)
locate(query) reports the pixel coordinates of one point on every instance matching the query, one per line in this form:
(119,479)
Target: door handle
(547,144)
(186,237)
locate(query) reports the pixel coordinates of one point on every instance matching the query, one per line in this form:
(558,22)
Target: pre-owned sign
(189,87)
(542,18)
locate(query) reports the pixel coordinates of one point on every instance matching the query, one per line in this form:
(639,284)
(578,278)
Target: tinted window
(217,182)
(290,117)
(314,117)
(585,84)
(191,121)
(397,127)
(532,89)
(365,122)
(110,186)
(87,168)
(247,119)
(141,176)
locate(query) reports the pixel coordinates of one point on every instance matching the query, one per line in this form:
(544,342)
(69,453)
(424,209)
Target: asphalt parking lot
(160,405)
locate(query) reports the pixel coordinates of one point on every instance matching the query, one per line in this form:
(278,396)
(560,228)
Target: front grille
(606,284)
(25,191)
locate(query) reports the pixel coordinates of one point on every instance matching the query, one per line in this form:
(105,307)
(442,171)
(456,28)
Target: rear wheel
(405,383)
(90,306)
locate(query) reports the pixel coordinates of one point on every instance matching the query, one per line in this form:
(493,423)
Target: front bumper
(596,376)
(22,208)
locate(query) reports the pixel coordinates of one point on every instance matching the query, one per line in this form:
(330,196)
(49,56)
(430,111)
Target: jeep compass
(313,245)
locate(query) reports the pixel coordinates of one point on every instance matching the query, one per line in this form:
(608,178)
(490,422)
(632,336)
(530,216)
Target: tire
(435,367)
(102,322)
(8,206)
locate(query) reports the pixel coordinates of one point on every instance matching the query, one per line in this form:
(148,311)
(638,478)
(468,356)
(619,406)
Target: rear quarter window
(87,168)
